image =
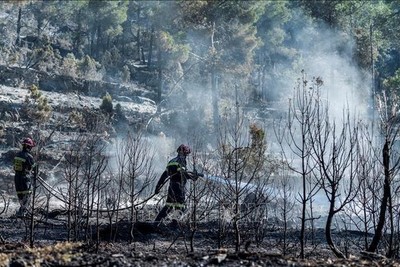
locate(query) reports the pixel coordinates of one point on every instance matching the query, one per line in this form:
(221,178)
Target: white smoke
(329,54)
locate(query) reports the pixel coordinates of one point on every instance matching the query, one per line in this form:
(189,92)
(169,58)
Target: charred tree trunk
(303,218)
(138,36)
(386,194)
(132,208)
(18,39)
(32,220)
(390,250)
(151,44)
(160,79)
(139,49)
(236,226)
(328,233)
(99,42)
(193,224)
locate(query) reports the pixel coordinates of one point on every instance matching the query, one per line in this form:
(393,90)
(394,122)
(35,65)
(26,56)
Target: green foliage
(368,31)
(88,68)
(257,136)
(106,105)
(258,144)
(103,20)
(69,66)
(321,10)
(40,58)
(36,107)
(191,40)
(111,58)
(107,59)
(271,28)
(392,84)
(76,117)
(372,24)
(174,51)
(233,35)
(35,93)
(166,41)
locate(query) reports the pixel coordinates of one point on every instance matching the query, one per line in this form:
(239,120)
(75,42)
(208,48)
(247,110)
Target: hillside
(151,246)
(57,131)
(289,110)
(160,246)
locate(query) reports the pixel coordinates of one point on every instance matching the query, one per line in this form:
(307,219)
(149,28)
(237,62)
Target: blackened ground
(164,245)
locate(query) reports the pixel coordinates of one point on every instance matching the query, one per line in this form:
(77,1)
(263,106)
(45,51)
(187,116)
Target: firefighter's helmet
(28,142)
(184,149)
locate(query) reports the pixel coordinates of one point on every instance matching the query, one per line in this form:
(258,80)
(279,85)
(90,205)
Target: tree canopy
(255,44)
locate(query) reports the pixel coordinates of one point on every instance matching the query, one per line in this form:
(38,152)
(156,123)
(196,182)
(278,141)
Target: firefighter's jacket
(178,176)
(23,164)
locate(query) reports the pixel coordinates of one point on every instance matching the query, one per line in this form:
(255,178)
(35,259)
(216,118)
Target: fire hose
(60,198)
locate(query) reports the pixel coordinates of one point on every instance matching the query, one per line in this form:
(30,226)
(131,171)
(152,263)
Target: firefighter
(178,176)
(23,167)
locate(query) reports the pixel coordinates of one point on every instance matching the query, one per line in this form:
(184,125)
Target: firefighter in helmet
(178,176)
(23,166)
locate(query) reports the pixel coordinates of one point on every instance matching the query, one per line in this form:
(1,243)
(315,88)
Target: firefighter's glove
(198,174)
(195,175)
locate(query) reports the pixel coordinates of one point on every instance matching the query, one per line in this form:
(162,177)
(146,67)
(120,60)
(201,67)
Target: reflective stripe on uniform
(174,205)
(24,192)
(174,163)
(18,163)
(19,158)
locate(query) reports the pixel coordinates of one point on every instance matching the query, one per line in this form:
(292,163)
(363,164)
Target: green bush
(107,106)
(69,66)
(36,105)
(88,68)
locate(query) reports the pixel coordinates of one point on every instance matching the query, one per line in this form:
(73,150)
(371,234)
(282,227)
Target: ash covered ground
(168,244)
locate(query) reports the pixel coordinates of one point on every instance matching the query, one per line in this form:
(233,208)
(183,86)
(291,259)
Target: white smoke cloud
(328,53)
